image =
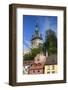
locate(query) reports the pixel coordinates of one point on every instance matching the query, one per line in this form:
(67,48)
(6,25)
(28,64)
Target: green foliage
(51,42)
(27,56)
(35,51)
(32,54)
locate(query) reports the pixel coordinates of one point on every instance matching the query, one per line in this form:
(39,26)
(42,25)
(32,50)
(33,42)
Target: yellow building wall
(49,68)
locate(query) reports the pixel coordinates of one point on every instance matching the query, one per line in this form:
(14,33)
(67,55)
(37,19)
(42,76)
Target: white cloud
(27,44)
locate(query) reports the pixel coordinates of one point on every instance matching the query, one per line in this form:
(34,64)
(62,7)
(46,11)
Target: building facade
(51,66)
(36,69)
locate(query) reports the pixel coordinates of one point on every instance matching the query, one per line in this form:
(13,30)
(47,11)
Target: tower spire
(37,30)
(36,37)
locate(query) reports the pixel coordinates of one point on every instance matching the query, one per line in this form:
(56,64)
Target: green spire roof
(36,34)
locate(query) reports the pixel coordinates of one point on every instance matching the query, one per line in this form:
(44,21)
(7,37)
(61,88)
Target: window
(37,59)
(48,72)
(31,65)
(33,71)
(48,68)
(38,70)
(53,71)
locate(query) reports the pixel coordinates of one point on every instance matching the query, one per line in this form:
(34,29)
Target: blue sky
(44,22)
